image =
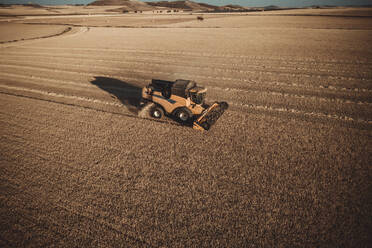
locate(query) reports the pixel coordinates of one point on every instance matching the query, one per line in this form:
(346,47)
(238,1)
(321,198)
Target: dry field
(288,165)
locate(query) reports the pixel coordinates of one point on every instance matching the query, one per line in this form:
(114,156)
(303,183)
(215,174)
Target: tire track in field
(305,107)
(296,96)
(251,106)
(47,67)
(69,31)
(63,83)
(205,54)
(78,98)
(278,62)
(58,95)
(188,62)
(345,83)
(291,70)
(237,67)
(205,78)
(349,109)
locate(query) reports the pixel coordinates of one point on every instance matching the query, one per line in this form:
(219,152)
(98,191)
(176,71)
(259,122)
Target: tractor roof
(180,87)
(198,89)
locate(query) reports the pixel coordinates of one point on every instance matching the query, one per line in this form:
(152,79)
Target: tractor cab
(197,95)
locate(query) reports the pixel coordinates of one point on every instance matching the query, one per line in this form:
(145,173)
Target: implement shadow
(128,94)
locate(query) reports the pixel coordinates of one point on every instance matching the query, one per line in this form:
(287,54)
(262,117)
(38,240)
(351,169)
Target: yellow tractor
(184,100)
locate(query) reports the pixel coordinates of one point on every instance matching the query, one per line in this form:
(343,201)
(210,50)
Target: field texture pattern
(287,165)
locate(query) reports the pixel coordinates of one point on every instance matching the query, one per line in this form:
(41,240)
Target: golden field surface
(287,165)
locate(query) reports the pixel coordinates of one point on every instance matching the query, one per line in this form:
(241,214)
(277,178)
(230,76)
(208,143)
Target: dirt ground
(287,165)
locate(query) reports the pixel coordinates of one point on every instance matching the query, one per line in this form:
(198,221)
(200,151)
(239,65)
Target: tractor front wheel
(184,115)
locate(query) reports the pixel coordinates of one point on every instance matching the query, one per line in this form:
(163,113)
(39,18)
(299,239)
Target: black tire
(156,112)
(206,126)
(183,115)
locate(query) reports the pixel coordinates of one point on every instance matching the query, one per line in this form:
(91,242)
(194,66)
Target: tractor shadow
(128,94)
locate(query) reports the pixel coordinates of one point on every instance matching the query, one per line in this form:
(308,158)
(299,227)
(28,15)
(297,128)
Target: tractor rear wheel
(157,112)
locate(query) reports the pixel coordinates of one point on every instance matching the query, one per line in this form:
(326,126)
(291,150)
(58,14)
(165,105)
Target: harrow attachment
(210,116)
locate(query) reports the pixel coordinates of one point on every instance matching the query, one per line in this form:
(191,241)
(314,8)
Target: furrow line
(83,99)
(238,67)
(297,96)
(305,113)
(49,80)
(59,81)
(172,74)
(251,106)
(282,94)
(201,54)
(65,71)
(57,95)
(69,31)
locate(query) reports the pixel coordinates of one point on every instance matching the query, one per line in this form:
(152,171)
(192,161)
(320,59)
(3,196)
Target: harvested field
(11,32)
(115,20)
(287,165)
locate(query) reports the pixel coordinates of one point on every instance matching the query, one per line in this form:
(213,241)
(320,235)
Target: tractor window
(198,98)
(166,92)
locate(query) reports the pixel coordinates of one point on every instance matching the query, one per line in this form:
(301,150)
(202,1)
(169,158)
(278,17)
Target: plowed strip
(252,106)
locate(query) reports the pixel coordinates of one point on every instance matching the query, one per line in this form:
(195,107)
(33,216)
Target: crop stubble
(287,165)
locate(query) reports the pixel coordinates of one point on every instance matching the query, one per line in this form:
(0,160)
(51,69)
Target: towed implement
(183,100)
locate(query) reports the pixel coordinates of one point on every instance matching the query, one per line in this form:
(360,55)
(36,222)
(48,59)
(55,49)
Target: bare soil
(288,164)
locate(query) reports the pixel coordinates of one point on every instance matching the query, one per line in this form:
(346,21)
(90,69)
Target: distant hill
(34,5)
(129,5)
(232,7)
(184,5)
(187,5)
(193,6)
(272,7)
